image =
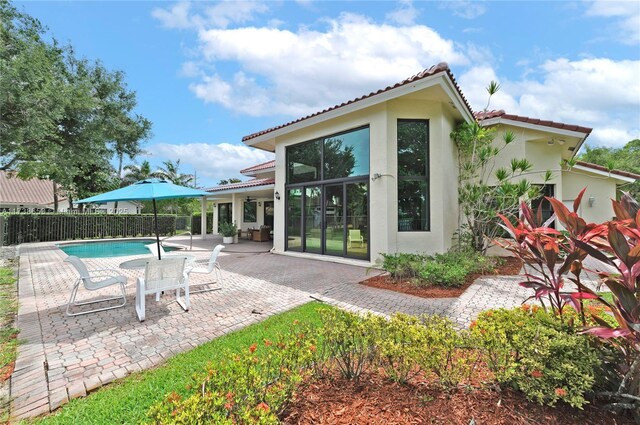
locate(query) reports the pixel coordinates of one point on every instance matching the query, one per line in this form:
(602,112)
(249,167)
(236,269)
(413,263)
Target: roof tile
(485,115)
(242,185)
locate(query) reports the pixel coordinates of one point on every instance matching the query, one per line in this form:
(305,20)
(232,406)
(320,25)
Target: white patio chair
(162,275)
(213,266)
(92,281)
(355,236)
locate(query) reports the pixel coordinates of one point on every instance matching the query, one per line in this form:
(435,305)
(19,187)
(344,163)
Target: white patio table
(141,263)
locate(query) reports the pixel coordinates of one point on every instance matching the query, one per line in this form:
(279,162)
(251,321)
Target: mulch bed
(378,401)
(512,266)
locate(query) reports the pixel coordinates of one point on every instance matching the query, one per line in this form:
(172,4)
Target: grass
(8,310)
(8,334)
(127,401)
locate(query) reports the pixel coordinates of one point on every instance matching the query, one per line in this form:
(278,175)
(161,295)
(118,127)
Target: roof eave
(611,174)
(242,190)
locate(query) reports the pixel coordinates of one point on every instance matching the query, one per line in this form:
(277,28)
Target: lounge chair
(92,281)
(153,247)
(162,275)
(355,236)
(212,266)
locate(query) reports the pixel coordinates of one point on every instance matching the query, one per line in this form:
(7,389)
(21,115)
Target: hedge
(24,228)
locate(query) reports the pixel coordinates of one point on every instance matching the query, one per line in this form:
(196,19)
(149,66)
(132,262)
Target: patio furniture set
(162,272)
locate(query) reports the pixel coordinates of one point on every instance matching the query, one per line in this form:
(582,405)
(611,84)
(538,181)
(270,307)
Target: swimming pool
(109,248)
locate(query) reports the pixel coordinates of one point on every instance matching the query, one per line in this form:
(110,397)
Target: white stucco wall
(602,189)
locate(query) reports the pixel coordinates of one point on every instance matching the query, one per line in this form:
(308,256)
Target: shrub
(348,340)
(402,344)
(252,387)
(537,354)
(448,269)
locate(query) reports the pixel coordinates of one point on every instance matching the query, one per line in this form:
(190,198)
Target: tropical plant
(614,243)
(483,191)
(228,229)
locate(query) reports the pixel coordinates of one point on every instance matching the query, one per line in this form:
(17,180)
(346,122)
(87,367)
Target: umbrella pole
(155,221)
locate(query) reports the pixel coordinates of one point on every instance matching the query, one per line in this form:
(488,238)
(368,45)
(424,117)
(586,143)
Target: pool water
(109,249)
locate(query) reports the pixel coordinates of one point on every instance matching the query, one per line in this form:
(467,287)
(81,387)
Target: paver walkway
(65,357)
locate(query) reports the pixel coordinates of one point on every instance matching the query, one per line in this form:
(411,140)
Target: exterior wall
(383,214)
(602,189)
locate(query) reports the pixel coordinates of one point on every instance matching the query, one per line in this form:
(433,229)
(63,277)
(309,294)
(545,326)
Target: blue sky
(208,73)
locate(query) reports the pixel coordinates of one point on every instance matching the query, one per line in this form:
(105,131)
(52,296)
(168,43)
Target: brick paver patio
(65,357)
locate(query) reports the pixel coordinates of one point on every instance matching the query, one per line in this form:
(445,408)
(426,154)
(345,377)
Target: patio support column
(203,221)
(233,208)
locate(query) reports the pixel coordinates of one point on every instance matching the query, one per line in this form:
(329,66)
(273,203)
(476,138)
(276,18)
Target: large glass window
(294,219)
(333,157)
(304,162)
(346,154)
(327,195)
(250,212)
(413,175)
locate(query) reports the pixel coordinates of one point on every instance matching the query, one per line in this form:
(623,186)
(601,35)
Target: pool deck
(63,357)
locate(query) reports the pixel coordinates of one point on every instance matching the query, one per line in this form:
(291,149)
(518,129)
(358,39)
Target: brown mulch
(378,401)
(512,266)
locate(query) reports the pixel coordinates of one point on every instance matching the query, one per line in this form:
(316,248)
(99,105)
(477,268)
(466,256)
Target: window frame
(244,211)
(415,178)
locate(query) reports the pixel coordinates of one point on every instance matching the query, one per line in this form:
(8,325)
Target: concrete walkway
(65,357)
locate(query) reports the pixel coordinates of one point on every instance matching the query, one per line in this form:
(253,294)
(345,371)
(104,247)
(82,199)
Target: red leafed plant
(555,263)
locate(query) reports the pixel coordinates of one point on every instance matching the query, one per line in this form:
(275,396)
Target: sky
(208,73)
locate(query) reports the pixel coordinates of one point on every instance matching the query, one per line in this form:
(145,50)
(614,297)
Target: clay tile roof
(606,170)
(481,116)
(242,185)
(263,166)
(25,192)
(436,69)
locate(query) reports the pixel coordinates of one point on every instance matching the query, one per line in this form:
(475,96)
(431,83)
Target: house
(36,195)
(378,174)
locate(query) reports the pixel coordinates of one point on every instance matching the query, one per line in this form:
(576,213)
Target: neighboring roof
(14,190)
(481,116)
(442,67)
(259,167)
(243,185)
(606,170)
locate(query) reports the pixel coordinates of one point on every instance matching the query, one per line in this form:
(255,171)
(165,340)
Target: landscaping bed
(508,266)
(376,400)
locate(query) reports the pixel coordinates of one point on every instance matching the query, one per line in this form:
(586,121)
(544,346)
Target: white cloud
(177,16)
(626,15)
(287,72)
(405,14)
(466,9)
(181,15)
(211,162)
(600,93)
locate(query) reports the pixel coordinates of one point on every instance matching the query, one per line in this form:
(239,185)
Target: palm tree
(134,173)
(171,172)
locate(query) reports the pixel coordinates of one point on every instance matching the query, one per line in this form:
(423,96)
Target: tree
(482,192)
(62,117)
(170,171)
(134,173)
(626,158)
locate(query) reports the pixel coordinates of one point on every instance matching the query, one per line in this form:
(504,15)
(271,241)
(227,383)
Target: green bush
(537,354)
(252,387)
(348,340)
(448,269)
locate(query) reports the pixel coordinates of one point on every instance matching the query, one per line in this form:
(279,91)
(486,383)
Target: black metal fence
(23,228)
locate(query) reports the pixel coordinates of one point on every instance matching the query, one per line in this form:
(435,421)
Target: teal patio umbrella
(146,190)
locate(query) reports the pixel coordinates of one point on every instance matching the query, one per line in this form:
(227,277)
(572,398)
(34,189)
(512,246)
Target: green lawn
(8,310)
(127,401)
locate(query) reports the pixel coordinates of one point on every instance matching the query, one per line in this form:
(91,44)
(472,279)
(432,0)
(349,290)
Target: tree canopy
(626,158)
(62,117)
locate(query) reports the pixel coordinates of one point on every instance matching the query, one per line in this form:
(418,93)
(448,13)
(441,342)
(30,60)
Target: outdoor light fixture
(277,194)
(259,204)
(592,201)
